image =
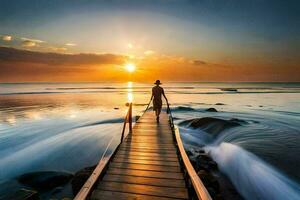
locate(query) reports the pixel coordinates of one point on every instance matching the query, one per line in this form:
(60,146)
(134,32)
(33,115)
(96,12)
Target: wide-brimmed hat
(157,82)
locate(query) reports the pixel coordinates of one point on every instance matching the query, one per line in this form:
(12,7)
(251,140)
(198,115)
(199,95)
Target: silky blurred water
(67,126)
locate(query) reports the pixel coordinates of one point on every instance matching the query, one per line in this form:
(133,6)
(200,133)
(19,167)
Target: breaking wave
(253,178)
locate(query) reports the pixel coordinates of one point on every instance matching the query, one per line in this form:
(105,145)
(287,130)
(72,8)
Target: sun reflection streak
(34,115)
(129,97)
(129,85)
(129,93)
(11,120)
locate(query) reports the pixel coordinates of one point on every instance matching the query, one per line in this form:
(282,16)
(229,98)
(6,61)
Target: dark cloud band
(25,56)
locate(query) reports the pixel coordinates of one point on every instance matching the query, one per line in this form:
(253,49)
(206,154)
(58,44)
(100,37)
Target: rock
(210,124)
(211,110)
(57,190)
(218,197)
(215,184)
(203,157)
(45,180)
(240,121)
(203,175)
(189,153)
(80,178)
(229,89)
(116,108)
(212,192)
(184,108)
(203,161)
(209,180)
(220,104)
(23,194)
(200,151)
(206,177)
(194,163)
(213,165)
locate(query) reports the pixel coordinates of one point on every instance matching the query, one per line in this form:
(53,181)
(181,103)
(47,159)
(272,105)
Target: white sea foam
(252,177)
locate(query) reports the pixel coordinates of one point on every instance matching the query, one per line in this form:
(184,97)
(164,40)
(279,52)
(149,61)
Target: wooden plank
(162,121)
(144,180)
(145,167)
(139,130)
(148,154)
(153,127)
(153,134)
(151,154)
(128,145)
(158,144)
(149,134)
(148,162)
(136,129)
(150,127)
(149,143)
(145,158)
(146,173)
(179,193)
(161,151)
(107,195)
(151,137)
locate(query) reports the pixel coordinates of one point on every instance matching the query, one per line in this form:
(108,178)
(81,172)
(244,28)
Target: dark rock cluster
(45,180)
(205,168)
(80,178)
(212,125)
(211,110)
(216,183)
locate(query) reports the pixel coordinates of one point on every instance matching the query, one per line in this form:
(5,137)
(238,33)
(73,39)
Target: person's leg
(158,111)
(157,114)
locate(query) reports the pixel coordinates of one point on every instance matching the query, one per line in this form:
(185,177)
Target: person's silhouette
(157,91)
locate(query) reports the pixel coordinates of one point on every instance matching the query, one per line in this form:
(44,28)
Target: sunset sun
(130,67)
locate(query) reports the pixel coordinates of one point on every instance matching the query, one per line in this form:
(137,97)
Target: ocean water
(67,126)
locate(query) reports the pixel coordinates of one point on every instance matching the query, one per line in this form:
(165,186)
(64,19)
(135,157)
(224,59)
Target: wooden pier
(150,163)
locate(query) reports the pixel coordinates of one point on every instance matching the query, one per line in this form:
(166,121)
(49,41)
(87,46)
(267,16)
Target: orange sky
(31,66)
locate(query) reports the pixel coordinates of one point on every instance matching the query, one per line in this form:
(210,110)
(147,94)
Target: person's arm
(163,93)
(168,108)
(152,95)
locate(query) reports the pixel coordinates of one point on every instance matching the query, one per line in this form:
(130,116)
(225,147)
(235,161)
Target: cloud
(129,46)
(32,40)
(198,62)
(7,38)
(149,52)
(58,49)
(12,55)
(27,42)
(71,44)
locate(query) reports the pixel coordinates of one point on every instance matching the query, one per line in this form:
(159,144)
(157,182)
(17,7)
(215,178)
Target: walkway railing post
(130,117)
(124,127)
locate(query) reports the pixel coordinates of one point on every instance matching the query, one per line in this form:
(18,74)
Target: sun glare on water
(130,67)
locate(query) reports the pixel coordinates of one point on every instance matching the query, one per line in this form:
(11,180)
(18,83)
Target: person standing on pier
(157,91)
